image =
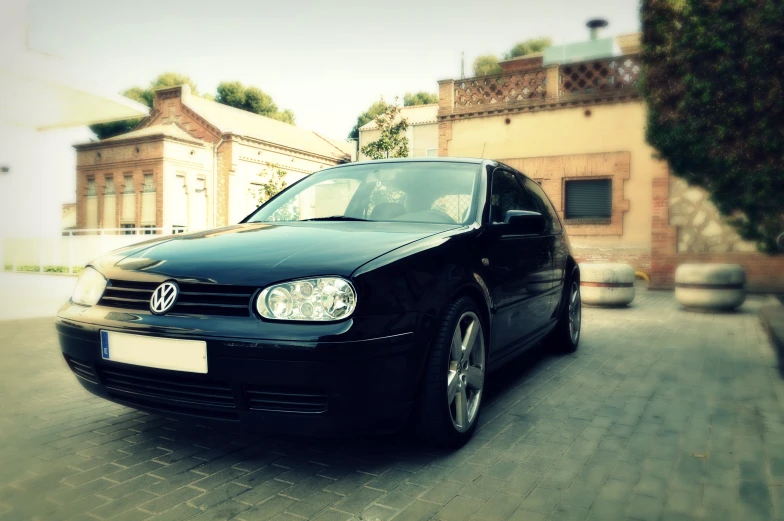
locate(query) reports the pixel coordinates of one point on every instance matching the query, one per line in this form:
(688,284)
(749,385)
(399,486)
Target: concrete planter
(609,285)
(710,287)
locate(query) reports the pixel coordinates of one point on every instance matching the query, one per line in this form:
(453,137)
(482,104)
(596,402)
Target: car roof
(472,160)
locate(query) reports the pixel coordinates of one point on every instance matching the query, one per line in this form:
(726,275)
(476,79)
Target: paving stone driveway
(661,414)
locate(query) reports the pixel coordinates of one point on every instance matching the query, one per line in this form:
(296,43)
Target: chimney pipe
(596,24)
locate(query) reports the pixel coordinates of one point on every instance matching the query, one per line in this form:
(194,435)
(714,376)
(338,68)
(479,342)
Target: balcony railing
(614,76)
(505,88)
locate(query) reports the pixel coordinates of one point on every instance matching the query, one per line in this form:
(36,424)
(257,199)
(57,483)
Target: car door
(519,267)
(555,245)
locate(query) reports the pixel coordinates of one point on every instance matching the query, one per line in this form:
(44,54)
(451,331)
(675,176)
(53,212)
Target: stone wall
(763,272)
(700,228)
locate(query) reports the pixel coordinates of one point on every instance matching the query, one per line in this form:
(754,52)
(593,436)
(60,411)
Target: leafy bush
(713,86)
(47,269)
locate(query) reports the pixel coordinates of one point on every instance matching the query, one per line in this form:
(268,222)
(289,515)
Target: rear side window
(545,207)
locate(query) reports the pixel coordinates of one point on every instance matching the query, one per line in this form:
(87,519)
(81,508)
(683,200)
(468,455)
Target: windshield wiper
(334,218)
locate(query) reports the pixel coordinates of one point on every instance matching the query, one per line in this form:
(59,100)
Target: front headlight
(89,288)
(320,299)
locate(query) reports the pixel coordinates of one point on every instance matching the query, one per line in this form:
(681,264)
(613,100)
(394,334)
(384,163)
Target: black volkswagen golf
(360,298)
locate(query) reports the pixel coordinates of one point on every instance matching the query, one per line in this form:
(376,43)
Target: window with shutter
(589,199)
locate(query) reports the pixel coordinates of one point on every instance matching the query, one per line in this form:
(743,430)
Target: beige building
(422,132)
(577,126)
(192,164)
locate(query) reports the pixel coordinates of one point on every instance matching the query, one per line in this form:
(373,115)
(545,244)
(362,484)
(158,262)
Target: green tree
(713,84)
(252,99)
(528,47)
(366,117)
(115,128)
(171,79)
(145,96)
(286,116)
(393,141)
(274,181)
(232,93)
(486,65)
(411,99)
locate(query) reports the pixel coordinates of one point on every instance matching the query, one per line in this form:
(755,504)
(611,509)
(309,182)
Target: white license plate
(148,351)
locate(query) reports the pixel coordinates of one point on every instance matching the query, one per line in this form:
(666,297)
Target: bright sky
(327,60)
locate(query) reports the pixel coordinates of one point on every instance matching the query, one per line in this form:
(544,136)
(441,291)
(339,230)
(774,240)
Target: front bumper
(315,387)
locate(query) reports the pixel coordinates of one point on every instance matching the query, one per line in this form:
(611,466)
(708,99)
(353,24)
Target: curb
(772,315)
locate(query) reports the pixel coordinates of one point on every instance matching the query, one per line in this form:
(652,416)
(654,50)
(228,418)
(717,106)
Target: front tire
(565,338)
(454,376)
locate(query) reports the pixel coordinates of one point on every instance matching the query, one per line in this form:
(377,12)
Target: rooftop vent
(594,49)
(596,24)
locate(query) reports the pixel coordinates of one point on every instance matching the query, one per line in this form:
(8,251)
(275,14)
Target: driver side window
(507,194)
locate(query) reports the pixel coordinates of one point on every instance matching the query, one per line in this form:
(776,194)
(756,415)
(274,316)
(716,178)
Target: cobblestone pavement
(661,414)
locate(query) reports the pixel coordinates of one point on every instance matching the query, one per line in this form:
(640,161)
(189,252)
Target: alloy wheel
(575,312)
(466,371)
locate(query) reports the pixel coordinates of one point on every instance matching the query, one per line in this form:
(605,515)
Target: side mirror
(525,223)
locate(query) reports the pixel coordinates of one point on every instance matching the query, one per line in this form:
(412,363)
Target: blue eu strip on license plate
(105,345)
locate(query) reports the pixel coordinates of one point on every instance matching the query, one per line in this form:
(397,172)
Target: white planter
(610,285)
(710,287)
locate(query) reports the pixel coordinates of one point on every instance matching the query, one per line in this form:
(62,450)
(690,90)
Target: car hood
(261,253)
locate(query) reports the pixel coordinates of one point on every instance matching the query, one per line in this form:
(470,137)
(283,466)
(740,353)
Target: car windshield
(427,192)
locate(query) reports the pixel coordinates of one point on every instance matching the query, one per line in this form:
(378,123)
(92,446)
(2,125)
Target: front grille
(266,399)
(194,298)
(172,386)
(81,369)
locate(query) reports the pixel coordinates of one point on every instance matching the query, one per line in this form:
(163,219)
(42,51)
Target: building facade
(577,127)
(192,164)
(422,132)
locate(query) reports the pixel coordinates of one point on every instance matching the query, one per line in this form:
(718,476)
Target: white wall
(62,251)
(40,180)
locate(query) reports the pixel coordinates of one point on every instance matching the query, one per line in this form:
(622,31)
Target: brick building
(192,164)
(572,118)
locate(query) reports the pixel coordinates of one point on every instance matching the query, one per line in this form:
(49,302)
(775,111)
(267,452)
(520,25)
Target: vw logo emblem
(164,297)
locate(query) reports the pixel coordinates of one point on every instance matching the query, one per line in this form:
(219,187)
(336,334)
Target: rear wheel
(454,376)
(566,336)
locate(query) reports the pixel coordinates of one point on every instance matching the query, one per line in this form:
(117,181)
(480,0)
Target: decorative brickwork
(506,88)
(173,111)
(552,172)
(592,77)
(116,158)
(544,88)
